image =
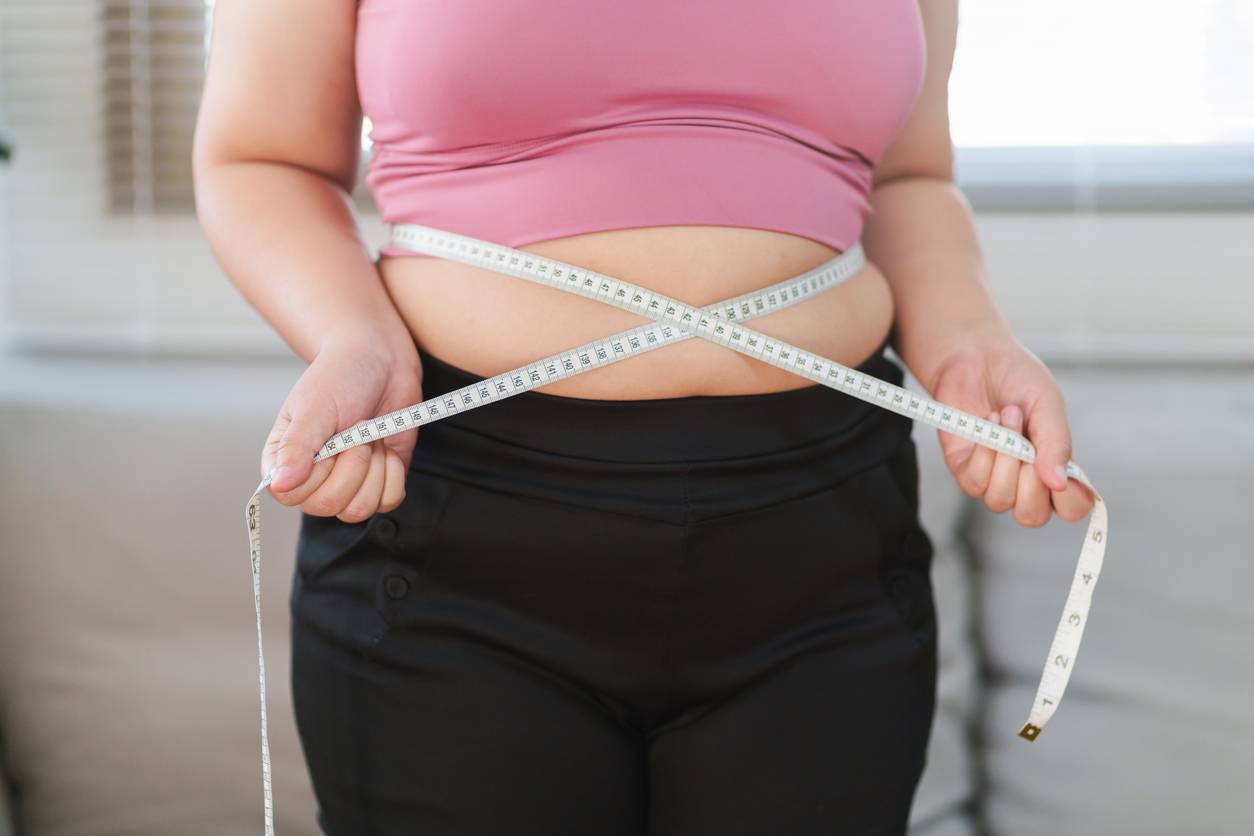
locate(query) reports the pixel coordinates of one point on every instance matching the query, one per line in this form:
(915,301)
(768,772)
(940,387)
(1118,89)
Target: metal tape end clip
(1029,731)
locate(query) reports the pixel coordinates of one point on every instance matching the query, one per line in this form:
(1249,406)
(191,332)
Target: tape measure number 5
(721,323)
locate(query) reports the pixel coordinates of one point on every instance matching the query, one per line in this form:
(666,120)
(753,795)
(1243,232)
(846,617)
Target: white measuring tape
(673,321)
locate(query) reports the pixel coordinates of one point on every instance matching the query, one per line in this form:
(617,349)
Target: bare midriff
(488,322)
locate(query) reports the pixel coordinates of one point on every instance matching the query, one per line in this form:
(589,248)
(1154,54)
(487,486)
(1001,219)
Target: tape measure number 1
(721,323)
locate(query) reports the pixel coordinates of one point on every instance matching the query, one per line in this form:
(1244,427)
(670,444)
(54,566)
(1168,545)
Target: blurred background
(1107,147)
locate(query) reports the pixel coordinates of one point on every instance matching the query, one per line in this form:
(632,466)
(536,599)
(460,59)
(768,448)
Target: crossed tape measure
(673,321)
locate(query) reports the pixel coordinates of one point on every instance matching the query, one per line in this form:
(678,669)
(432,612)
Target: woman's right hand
(353,377)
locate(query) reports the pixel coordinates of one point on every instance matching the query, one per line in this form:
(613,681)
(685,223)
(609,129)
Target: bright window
(1103,72)
(1085,105)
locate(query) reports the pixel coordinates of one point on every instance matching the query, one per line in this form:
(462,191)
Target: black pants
(705,615)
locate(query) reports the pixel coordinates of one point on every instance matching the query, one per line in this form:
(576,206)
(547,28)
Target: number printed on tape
(672,322)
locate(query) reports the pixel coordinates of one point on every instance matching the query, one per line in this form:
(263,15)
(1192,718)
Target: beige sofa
(128,686)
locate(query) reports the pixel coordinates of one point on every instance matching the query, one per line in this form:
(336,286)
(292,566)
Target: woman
(687,593)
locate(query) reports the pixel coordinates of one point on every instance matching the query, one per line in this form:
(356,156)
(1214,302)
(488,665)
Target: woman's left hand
(991,374)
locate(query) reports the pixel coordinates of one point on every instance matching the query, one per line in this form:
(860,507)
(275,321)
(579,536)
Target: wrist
(389,344)
(926,349)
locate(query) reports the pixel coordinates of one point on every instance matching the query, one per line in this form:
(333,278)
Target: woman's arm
(948,328)
(921,232)
(277,141)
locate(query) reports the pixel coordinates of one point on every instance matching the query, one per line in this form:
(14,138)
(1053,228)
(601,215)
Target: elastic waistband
(664,430)
(678,459)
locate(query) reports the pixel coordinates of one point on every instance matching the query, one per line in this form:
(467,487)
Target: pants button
(395,586)
(386,527)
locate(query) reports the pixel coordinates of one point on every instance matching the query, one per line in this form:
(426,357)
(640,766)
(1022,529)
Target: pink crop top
(519,122)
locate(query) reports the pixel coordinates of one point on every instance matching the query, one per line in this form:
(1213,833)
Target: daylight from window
(1103,72)
(1098,72)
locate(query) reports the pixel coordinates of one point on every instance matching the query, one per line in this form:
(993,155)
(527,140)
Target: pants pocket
(890,497)
(350,576)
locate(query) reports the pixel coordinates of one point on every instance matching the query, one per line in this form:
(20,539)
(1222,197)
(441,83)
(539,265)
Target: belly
(488,322)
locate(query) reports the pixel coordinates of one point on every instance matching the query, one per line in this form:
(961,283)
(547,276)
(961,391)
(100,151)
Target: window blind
(152,73)
(100,248)
(99,242)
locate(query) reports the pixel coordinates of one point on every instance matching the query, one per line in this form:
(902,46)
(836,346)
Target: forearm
(287,239)
(922,236)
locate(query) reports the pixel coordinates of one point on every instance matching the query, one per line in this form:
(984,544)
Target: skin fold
(275,160)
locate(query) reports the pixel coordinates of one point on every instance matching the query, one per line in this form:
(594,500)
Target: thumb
(293,450)
(1047,429)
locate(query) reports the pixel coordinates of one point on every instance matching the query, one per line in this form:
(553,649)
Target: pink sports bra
(519,122)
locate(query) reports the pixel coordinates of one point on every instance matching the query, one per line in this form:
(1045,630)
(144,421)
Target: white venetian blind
(1076,105)
(99,243)
(152,73)
(100,96)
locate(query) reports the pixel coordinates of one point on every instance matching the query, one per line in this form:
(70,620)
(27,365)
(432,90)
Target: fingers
(1003,484)
(399,450)
(296,437)
(297,495)
(286,449)
(400,447)
(346,477)
(1034,490)
(366,501)
(979,468)
(356,492)
(395,471)
(1074,503)
(1009,483)
(371,479)
(1048,431)
(964,385)
(1032,506)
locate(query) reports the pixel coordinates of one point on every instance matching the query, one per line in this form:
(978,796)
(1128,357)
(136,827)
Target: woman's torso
(488,322)
(701,149)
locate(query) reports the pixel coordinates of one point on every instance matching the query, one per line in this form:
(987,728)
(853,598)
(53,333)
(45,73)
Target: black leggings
(705,615)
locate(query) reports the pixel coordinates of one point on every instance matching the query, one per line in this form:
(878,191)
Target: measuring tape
(721,323)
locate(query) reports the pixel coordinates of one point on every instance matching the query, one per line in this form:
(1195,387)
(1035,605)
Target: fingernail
(1012,416)
(1061,473)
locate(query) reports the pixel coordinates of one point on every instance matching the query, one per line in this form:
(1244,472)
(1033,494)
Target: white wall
(1139,286)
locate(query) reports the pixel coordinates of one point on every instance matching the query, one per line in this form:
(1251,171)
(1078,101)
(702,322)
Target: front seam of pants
(681,572)
(696,593)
